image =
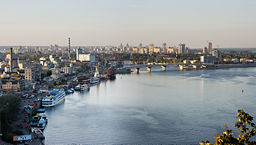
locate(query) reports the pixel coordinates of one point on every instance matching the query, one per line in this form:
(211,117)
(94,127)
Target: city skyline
(229,24)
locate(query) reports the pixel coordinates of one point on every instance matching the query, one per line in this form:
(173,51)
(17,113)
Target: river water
(172,107)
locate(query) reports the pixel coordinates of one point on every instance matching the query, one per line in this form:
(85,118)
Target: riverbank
(223,66)
(21,124)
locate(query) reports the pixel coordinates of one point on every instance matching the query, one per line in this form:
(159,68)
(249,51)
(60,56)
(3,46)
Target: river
(172,107)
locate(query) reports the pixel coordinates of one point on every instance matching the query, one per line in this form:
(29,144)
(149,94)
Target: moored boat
(84,87)
(43,116)
(94,80)
(55,97)
(41,124)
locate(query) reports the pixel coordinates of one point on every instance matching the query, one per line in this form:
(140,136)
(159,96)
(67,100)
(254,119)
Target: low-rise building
(216,53)
(157,50)
(135,50)
(227,59)
(170,50)
(208,59)
(12,84)
(235,60)
(67,70)
(33,73)
(87,58)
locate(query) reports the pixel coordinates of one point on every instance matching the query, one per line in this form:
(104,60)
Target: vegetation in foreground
(247,130)
(9,110)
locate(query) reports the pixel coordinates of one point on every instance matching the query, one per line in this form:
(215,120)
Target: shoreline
(246,65)
(183,67)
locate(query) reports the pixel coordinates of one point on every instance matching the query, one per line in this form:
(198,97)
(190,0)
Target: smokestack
(11,59)
(69,48)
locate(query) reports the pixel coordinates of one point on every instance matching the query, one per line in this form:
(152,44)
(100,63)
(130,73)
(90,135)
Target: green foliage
(244,124)
(9,104)
(49,73)
(8,137)
(18,132)
(9,110)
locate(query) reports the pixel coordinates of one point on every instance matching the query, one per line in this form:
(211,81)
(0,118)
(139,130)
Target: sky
(228,23)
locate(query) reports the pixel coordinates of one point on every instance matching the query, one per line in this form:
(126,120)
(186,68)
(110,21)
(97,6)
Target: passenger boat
(55,97)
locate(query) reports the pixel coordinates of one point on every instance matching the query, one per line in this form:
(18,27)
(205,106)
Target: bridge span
(148,66)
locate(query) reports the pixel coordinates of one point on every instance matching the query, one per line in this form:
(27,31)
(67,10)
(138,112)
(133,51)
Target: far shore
(215,66)
(245,65)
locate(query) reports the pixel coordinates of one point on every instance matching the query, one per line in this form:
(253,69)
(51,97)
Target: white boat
(84,87)
(96,78)
(78,87)
(97,74)
(55,97)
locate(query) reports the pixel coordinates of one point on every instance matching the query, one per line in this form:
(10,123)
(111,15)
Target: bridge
(148,66)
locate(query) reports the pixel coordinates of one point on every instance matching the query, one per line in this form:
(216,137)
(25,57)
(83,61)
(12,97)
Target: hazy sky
(228,23)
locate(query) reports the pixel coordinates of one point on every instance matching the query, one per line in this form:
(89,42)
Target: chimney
(69,48)
(11,59)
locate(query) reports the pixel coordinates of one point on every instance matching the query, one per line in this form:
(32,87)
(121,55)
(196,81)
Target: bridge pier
(137,70)
(149,69)
(163,67)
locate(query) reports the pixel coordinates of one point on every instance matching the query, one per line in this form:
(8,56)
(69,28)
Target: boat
(94,80)
(34,121)
(111,73)
(104,76)
(78,87)
(84,87)
(37,131)
(69,91)
(97,74)
(55,97)
(72,90)
(43,116)
(41,124)
(41,110)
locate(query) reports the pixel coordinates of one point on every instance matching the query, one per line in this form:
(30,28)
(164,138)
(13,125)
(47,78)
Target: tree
(9,110)
(49,73)
(244,124)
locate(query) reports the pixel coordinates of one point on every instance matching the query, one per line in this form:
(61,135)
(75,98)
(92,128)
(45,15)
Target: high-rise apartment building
(216,53)
(205,50)
(182,49)
(209,47)
(11,57)
(78,51)
(151,48)
(140,46)
(164,48)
